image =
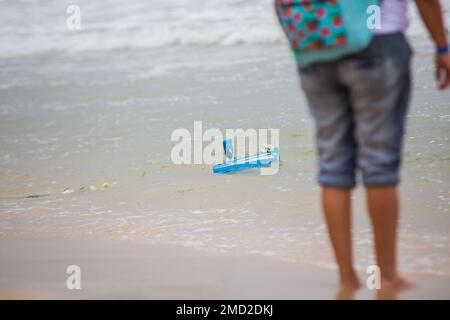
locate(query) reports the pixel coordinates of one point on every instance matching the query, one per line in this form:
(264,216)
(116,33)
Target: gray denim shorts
(359,104)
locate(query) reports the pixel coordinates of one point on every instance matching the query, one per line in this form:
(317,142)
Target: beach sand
(36,269)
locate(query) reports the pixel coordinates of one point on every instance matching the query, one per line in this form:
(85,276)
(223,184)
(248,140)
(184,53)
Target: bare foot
(386,295)
(347,289)
(397,284)
(391,287)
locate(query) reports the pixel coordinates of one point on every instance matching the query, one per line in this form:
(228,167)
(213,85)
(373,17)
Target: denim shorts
(359,104)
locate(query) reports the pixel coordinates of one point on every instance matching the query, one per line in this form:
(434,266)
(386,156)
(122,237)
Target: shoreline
(36,269)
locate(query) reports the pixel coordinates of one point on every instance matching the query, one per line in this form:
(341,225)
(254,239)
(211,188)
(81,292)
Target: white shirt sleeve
(394,16)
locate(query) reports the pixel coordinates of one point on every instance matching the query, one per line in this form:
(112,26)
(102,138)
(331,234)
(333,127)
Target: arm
(431,13)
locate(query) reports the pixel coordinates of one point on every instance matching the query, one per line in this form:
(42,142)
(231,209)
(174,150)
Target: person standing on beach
(359,102)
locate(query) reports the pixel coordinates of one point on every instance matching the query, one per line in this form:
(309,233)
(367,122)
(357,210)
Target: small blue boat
(254,161)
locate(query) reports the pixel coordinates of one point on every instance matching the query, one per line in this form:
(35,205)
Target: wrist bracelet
(443,50)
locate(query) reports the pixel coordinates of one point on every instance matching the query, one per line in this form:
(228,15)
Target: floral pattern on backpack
(312,24)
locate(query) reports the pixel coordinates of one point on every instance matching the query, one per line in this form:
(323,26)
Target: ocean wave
(166,36)
(36,27)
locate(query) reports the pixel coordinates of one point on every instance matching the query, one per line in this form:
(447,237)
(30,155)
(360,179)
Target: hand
(443,71)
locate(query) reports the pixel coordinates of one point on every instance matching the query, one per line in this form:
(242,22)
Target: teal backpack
(325,30)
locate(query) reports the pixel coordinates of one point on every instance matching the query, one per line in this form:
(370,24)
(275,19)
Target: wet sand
(36,269)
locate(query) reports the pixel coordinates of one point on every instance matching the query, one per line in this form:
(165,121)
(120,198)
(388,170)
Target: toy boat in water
(254,161)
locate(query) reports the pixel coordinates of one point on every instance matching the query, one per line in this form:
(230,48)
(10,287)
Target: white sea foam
(39,26)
